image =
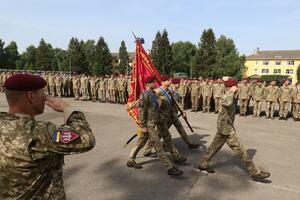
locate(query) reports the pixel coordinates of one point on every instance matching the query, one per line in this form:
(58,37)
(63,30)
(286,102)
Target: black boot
(174,172)
(261,175)
(132,163)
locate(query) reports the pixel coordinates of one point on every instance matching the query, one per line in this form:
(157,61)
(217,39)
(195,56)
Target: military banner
(142,68)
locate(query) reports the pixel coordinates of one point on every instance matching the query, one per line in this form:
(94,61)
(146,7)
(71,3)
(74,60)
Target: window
(265,71)
(265,62)
(277,71)
(289,71)
(290,62)
(277,62)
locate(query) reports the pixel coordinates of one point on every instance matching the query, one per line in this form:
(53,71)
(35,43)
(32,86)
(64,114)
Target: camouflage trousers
(163,130)
(206,103)
(151,137)
(94,93)
(76,92)
(257,108)
(218,104)
(284,109)
(102,95)
(178,125)
(195,102)
(112,96)
(58,90)
(243,106)
(122,96)
(52,90)
(296,111)
(233,142)
(85,93)
(270,108)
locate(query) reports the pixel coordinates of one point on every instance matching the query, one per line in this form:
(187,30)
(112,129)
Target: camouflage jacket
(225,123)
(296,95)
(218,90)
(148,109)
(207,90)
(244,91)
(32,154)
(285,93)
(258,93)
(271,93)
(165,104)
(196,90)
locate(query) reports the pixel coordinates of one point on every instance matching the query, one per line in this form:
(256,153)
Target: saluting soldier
(32,152)
(226,133)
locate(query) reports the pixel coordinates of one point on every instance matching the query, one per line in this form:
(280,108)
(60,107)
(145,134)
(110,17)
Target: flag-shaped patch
(64,136)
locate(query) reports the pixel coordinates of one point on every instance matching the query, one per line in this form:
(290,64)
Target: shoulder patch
(64,137)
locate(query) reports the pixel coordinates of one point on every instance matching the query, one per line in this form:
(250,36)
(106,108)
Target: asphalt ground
(102,172)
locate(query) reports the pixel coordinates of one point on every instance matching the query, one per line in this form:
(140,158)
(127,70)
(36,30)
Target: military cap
(165,78)
(24,82)
(230,83)
(150,79)
(175,81)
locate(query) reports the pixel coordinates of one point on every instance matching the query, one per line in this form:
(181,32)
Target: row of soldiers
(113,89)
(195,93)
(209,92)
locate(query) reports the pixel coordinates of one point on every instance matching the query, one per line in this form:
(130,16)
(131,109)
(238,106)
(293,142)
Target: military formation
(202,94)
(255,98)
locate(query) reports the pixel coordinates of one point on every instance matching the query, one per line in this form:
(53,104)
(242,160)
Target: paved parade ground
(102,173)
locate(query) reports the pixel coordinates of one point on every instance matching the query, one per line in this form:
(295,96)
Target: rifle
(181,112)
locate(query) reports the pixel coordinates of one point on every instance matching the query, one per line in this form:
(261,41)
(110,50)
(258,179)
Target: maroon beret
(24,82)
(230,83)
(165,78)
(175,81)
(150,79)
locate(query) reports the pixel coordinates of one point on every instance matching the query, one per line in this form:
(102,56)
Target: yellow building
(282,62)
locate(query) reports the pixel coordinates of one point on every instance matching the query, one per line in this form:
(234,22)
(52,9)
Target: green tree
(103,58)
(44,56)
(90,50)
(12,55)
(2,55)
(77,58)
(27,59)
(156,51)
(183,53)
(228,60)
(60,60)
(205,58)
(123,66)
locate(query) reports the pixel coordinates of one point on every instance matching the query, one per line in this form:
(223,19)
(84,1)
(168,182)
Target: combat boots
(193,146)
(261,175)
(174,172)
(132,163)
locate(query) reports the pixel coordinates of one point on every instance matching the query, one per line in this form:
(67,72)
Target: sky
(267,24)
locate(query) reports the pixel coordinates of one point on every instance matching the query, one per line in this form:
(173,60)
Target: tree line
(210,57)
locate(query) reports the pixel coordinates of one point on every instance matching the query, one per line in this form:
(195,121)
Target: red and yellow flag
(142,68)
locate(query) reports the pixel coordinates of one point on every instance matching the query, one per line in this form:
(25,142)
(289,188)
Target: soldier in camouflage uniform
(122,89)
(76,86)
(58,84)
(271,97)
(31,153)
(296,102)
(244,92)
(195,94)
(206,94)
(84,83)
(52,84)
(258,97)
(102,89)
(218,92)
(94,88)
(285,99)
(149,117)
(226,133)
